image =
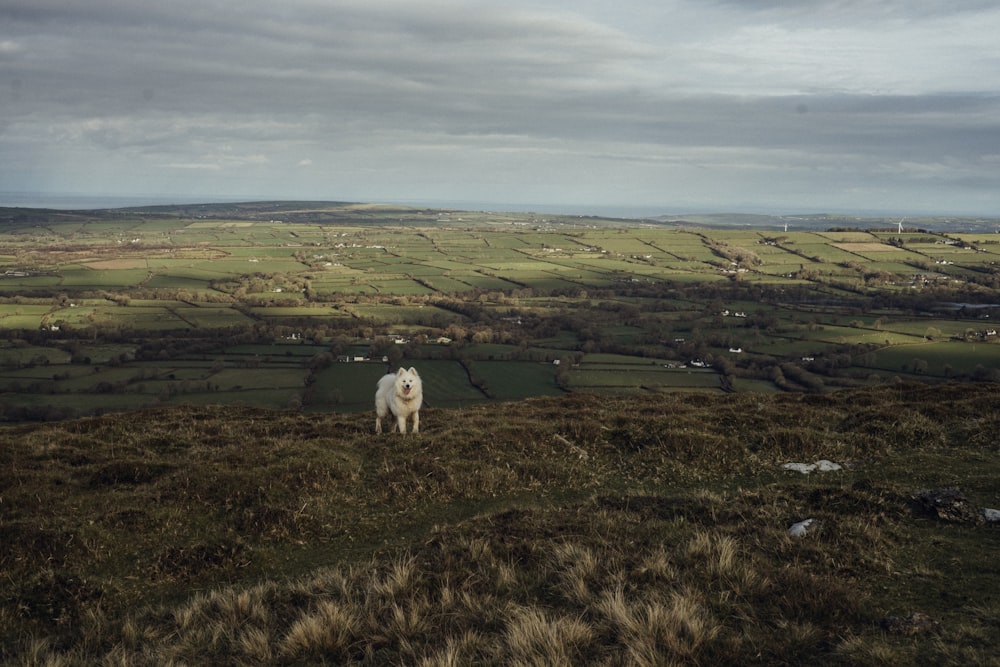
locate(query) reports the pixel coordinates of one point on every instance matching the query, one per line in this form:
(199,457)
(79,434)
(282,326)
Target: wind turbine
(901,225)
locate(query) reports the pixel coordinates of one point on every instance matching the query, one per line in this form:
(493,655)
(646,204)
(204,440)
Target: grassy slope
(562,530)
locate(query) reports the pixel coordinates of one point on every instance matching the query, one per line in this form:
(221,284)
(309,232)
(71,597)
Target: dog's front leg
(416,422)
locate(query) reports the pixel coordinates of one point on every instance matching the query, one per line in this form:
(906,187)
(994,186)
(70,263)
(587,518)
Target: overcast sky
(664,105)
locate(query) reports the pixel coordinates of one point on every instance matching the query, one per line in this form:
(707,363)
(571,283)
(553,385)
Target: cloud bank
(676,104)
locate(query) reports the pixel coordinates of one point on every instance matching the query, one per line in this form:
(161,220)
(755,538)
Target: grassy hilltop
(580,529)
(189,472)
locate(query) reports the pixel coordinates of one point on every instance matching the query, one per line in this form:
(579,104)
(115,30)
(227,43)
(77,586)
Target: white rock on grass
(801,528)
(991,515)
(820,466)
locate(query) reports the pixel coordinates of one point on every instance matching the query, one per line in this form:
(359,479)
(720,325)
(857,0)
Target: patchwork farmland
(304,305)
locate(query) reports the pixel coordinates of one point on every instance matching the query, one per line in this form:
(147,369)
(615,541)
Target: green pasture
(345,286)
(444,265)
(759,247)
(618,379)
(933,328)
(546,282)
(480,280)
(522,268)
(822,252)
(787,347)
(142,318)
(402,287)
(237,266)
(475,257)
(952,253)
(279,253)
(960,357)
(334,272)
(165,281)
(563,341)
(513,380)
(348,386)
(852,335)
(89,383)
(446,384)
(607,359)
(17,355)
(849,236)
(492,351)
(284,349)
(81,315)
(855,335)
(77,276)
(274,350)
(685,269)
(699,253)
(448,284)
(279,295)
(16,284)
(217,224)
(351,386)
(23,316)
(621,244)
(385,313)
(549,240)
(229,379)
(416,270)
(172,370)
(101,353)
(979,238)
(735,236)
(901,270)
(623,334)
(495,241)
(37,379)
(774,268)
(211,317)
(203,271)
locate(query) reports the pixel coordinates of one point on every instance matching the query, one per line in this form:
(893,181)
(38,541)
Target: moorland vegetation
(582,529)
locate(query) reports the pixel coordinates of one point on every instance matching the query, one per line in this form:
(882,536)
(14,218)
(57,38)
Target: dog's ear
(400,371)
(414,371)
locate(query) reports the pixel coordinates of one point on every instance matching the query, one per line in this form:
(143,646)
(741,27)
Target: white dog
(401,394)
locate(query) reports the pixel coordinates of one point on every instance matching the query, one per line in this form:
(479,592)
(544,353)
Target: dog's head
(407,380)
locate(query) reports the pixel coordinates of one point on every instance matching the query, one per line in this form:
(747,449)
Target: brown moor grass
(574,530)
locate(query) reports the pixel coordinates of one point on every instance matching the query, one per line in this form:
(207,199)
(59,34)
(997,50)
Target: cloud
(195,166)
(588,100)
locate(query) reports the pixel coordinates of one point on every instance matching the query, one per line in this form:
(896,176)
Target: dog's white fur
(400,394)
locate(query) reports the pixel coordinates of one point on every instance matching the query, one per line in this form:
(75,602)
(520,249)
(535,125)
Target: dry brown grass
(205,536)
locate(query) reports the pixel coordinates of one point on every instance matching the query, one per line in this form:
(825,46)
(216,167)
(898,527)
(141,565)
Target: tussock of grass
(567,531)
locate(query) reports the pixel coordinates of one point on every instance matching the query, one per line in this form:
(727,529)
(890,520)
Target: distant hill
(305,211)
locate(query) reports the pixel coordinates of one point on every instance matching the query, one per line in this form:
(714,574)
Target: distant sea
(76,201)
